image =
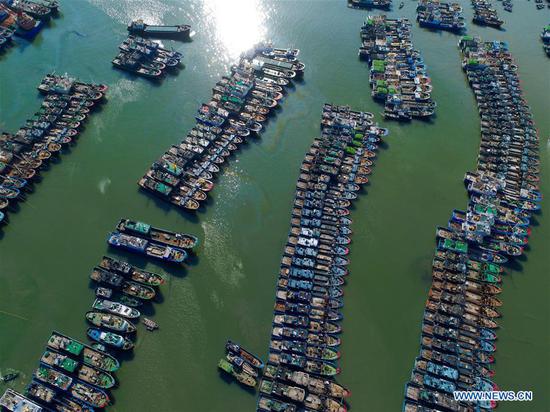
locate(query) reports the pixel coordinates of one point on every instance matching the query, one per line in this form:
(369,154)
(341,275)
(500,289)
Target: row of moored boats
(485,14)
(458,338)
(60,119)
(73,376)
(540,4)
(435,14)
(398,75)
(545,36)
(305,338)
(240,107)
(24,18)
(146,58)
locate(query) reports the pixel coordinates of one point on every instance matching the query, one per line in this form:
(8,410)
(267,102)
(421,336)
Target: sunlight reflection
(238,24)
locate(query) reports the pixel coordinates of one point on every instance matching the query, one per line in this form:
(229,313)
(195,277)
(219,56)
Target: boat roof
(168,29)
(139,226)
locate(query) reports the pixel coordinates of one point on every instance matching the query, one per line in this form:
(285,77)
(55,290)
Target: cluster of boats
(24,18)
(370,4)
(435,14)
(460,318)
(146,58)
(65,108)
(303,352)
(241,364)
(76,377)
(540,4)
(6,35)
(508,5)
(398,76)
(545,36)
(240,107)
(142,238)
(485,14)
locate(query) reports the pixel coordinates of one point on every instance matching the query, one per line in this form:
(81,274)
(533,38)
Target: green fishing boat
(242,377)
(453,245)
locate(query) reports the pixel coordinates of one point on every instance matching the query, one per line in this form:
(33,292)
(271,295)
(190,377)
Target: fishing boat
(116,308)
(103,276)
(140,28)
(282,390)
(110,339)
(138,290)
(94,397)
(67,403)
(268,404)
(169,238)
(110,321)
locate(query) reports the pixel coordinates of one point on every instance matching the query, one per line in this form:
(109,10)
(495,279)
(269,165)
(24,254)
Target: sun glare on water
(238,24)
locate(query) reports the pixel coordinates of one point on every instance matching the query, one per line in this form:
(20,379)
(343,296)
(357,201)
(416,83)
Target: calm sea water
(58,235)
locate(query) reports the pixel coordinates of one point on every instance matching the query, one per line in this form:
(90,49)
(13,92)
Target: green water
(58,235)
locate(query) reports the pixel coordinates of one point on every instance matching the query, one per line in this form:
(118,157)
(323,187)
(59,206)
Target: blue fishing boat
(109,338)
(8,192)
(132,243)
(439,384)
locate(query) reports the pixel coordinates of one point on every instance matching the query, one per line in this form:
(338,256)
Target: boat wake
(103,184)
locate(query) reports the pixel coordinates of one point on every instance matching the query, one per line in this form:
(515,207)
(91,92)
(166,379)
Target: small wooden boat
(150,325)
